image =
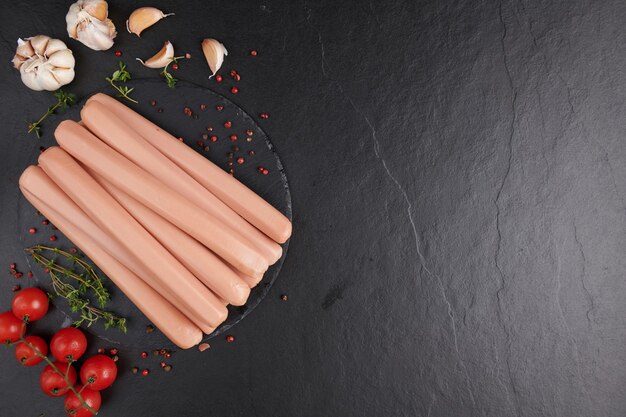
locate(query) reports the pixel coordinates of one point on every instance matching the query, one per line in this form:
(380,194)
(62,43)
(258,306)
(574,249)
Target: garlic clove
(97,35)
(55,45)
(63,75)
(39,43)
(62,59)
(47,81)
(24,48)
(162,58)
(98,9)
(214,52)
(143,18)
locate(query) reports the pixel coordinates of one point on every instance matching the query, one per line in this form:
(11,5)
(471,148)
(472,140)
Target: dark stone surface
(458,179)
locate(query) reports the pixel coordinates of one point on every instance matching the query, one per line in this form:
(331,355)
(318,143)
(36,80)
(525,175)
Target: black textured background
(458,181)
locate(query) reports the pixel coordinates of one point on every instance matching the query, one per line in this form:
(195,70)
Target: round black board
(195,114)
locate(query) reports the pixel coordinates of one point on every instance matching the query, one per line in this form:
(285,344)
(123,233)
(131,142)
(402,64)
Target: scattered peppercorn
(73,250)
(230,338)
(167,368)
(218,78)
(249,132)
(187,55)
(16,288)
(144,355)
(231,172)
(284,297)
(206,149)
(45,222)
(46,270)
(145,372)
(248,139)
(134,370)
(100,350)
(149,328)
(219,107)
(213,138)
(228,124)
(18,275)
(205,136)
(265,171)
(237,77)
(53,238)
(113,351)
(234,90)
(209,129)
(229,163)
(167,355)
(30,274)
(153,103)
(13,265)
(233,137)
(188,111)
(162,352)
(32,230)
(251,153)
(175,67)
(232,72)
(203,107)
(199,143)
(253,52)
(115,358)
(155,352)
(160,110)
(264,116)
(240,160)
(118,53)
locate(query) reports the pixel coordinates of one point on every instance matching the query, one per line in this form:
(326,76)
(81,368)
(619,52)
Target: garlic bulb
(44,63)
(214,52)
(162,58)
(88,22)
(143,18)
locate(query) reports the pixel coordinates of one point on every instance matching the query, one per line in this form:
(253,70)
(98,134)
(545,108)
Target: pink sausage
(118,135)
(228,189)
(207,267)
(181,286)
(122,173)
(178,328)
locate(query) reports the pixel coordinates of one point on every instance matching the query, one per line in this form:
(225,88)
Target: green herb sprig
(83,273)
(121,75)
(169,78)
(64,100)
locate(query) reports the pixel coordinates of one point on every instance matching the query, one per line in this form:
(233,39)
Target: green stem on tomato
(65,377)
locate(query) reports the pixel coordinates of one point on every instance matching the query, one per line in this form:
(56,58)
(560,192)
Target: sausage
(207,267)
(142,186)
(178,328)
(237,196)
(180,285)
(118,135)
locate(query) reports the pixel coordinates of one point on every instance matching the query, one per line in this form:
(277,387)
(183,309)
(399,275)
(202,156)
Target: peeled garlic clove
(88,22)
(143,18)
(214,52)
(162,58)
(44,63)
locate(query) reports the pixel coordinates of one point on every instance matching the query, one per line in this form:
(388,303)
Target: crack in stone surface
(502,281)
(409,206)
(588,296)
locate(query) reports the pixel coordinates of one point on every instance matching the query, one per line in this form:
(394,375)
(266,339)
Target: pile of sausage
(178,235)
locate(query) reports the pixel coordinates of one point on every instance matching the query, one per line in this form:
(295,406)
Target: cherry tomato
(11,328)
(98,372)
(30,304)
(52,383)
(68,344)
(26,355)
(73,406)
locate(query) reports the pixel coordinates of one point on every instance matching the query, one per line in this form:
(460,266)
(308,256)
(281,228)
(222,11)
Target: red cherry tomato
(52,383)
(30,304)
(11,328)
(99,372)
(68,344)
(73,406)
(26,355)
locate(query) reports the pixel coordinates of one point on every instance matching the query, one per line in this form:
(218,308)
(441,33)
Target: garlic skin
(44,63)
(214,52)
(162,58)
(88,22)
(143,18)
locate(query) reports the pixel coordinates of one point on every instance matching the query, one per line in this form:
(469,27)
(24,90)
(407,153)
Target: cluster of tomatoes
(67,346)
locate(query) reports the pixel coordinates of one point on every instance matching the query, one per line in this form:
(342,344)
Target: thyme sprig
(121,75)
(169,78)
(87,279)
(64,100)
